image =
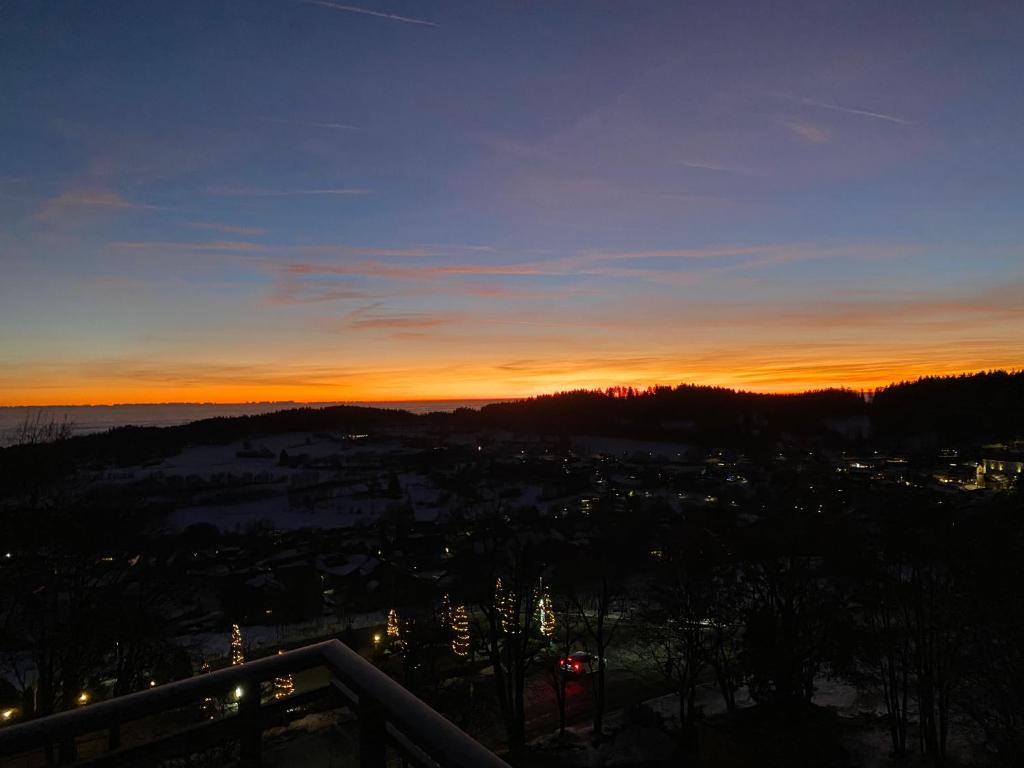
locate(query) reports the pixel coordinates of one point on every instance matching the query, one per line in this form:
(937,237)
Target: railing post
(372,734)
(251,738)
(114,737)
(67,751)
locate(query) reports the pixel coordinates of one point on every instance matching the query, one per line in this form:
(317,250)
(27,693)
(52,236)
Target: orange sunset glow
(320,385)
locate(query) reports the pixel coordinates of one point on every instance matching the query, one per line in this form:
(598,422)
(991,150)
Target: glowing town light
(83,698)
(460,631)
(7,714)
(237,652)
(209,703)
(377,638)
(239,692)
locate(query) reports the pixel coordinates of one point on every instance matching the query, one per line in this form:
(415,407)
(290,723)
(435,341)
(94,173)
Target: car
(580,663)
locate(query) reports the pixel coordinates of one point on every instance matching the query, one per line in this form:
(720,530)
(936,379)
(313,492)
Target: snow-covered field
(206,460)
(341,507)
(260,638)
(277,512)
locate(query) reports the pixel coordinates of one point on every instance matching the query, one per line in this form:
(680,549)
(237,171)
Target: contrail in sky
(852,111)
(368,12)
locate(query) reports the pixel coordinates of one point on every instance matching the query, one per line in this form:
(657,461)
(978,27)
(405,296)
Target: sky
(246,200)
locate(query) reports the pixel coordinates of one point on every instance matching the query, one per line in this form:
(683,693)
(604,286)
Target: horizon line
(496,399)
(273,402)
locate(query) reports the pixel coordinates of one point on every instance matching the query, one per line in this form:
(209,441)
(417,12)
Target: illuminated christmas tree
(394,633)
(504,604)
(237,652)
(545,614)
(446,611)
(284,686)
(460,631)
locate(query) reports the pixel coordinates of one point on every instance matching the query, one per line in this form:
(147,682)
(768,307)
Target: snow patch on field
(260,638)
(279,513)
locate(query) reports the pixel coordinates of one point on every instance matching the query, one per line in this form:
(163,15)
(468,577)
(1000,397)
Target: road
(628,681)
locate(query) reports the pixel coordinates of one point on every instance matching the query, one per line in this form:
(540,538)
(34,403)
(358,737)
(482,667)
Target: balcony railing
(388,715)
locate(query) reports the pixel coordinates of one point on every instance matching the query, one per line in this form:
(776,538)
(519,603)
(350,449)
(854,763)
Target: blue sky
(321,201)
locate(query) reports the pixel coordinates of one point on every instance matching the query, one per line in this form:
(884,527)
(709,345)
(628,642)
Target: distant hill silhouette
(695,414)
(970,408)
(24,466)
(965,408)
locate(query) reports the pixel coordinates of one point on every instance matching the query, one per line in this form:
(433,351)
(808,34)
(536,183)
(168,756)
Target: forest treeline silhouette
(928,412)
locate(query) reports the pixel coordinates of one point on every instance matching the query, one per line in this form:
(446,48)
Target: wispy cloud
(307,273)
(327,249)
(969,308)
(149,246)
(553,268)
(540,366)
(318,287)
(372,318)
(460,247)
(607,264)
(312,124)
(256,192)
(192,373)
(515,148)
(228,229)
(378,269)
(289,290)
(338,250)
(689,254)
(808,131)
(369,12)
(80,201)
(518,292)
(702,166)
(772,256)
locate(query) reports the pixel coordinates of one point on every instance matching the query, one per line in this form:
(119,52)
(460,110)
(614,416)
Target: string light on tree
(284,686)
(446,611)
(394,632)
(237,652)
(460,631)
(505,606)
(545,614)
